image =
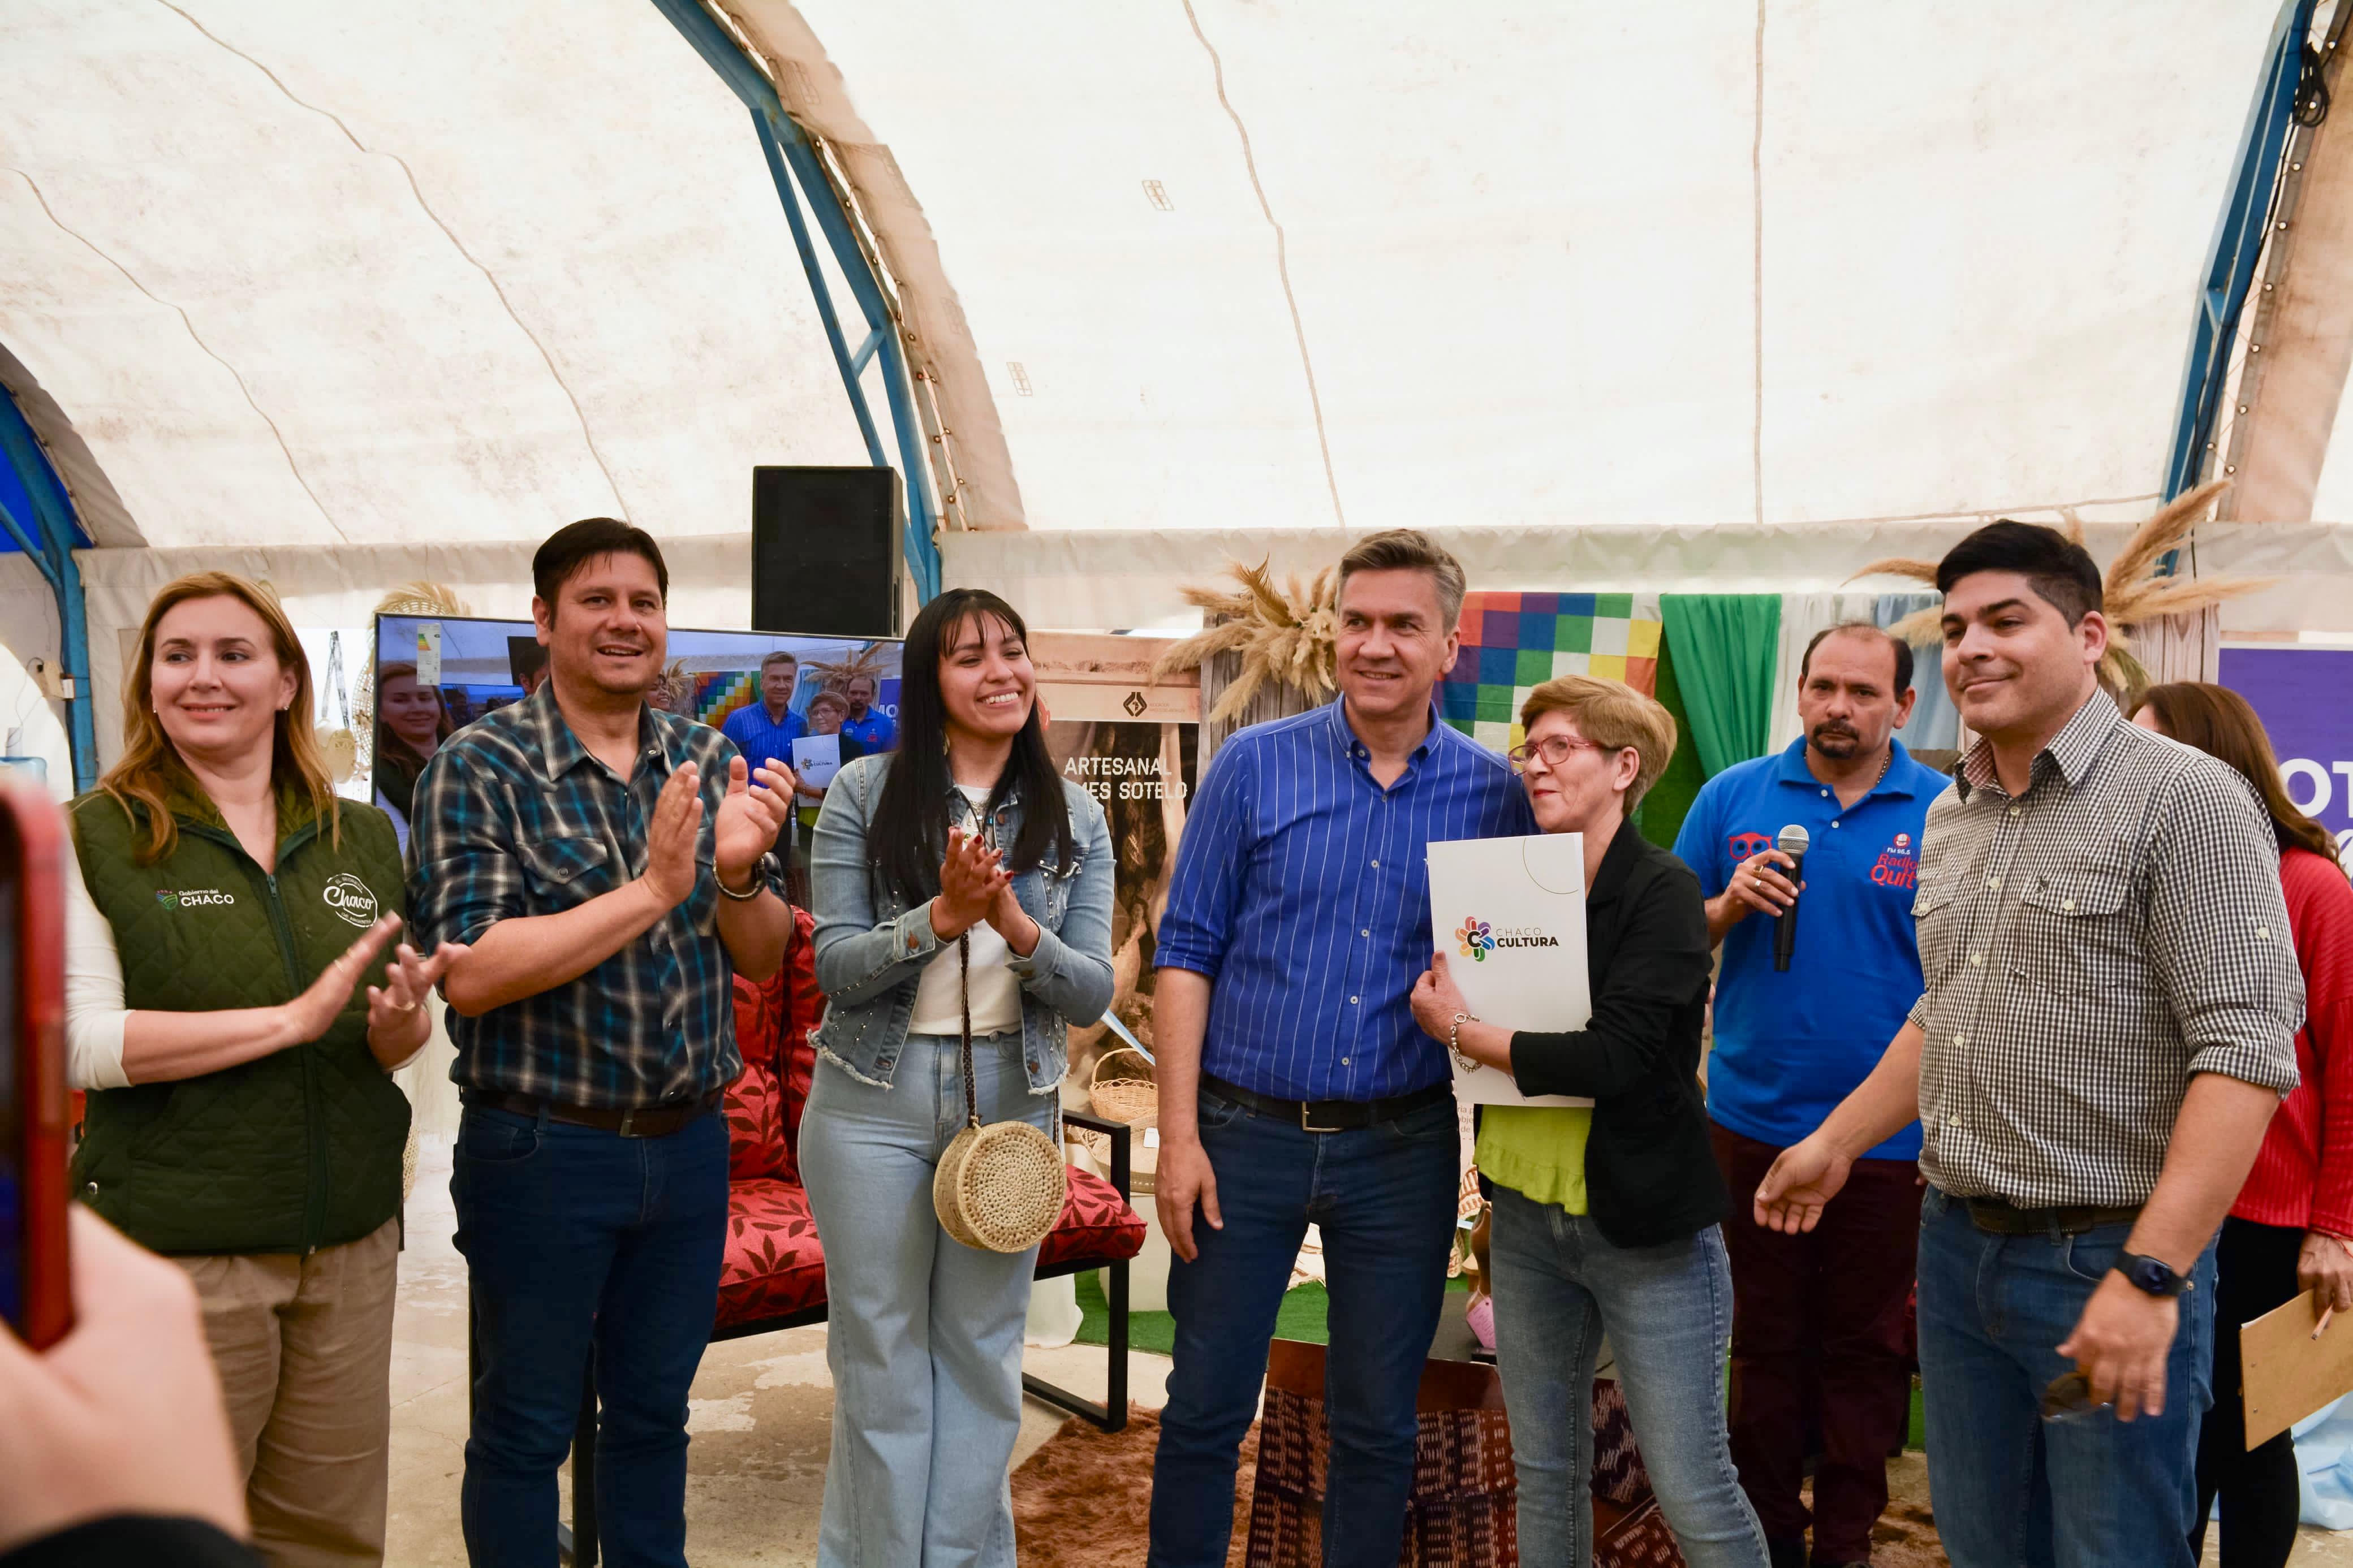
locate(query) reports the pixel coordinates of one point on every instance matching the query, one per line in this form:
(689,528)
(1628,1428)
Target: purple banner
(2300,693)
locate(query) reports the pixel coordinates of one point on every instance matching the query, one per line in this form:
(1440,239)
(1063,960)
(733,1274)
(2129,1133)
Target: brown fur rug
(1084,1501)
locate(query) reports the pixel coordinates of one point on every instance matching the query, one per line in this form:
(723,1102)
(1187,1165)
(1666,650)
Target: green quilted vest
(292,1151)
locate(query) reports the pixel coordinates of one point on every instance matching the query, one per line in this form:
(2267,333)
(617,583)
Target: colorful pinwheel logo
(1474,936)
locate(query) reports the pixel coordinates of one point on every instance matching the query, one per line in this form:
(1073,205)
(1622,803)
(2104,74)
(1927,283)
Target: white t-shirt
(996,992)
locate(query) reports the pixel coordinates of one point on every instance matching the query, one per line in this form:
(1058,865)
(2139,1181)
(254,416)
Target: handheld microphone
(1792,843)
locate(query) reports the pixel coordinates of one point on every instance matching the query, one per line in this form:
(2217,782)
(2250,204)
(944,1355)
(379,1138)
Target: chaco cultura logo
(1476,940)
(351,899)
(189,898)
(1479,939)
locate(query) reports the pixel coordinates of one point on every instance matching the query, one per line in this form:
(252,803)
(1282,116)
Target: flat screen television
(436,674)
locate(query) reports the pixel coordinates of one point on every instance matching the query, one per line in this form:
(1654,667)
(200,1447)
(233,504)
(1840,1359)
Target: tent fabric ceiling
(1550,264)
(319,275)
(329,274)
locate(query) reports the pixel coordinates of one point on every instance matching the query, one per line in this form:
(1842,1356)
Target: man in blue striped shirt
(1295,1088)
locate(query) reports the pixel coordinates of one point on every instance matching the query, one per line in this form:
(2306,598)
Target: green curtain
(1727,646)
(1661,815)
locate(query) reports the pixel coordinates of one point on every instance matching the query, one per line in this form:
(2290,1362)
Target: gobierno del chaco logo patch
(192,897)
(349,897)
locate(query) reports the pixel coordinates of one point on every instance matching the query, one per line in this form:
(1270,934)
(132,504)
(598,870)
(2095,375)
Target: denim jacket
(871,945)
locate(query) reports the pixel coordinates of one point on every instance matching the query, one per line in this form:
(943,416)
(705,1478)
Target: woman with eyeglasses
(1607,1220)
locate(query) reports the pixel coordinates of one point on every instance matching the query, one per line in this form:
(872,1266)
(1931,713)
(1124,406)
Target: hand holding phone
(124,1414)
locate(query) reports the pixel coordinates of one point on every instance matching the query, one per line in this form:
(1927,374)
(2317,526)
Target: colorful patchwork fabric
(1513,643)
(721,692)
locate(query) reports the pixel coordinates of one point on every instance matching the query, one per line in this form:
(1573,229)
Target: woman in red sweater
(2288,1232)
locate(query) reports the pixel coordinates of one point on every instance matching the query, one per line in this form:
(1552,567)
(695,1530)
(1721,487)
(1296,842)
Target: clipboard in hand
(2285,1373)
(1509,914)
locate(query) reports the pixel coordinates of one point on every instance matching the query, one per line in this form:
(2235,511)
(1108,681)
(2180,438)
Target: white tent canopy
(1699,296)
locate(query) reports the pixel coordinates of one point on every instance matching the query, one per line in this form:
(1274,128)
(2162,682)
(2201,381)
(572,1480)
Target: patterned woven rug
(1084,1501)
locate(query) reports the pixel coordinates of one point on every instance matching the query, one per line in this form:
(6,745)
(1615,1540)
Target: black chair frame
(577,1541)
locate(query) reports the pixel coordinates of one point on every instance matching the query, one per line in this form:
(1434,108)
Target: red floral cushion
(774,1266)
(795,1058)
(1096,1224)
(772,1018)
(754,1103)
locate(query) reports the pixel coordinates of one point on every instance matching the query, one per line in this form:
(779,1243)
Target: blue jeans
(925,1333)
(573,1237)
(1667,1309)
(2011,1487)
(1384,1196)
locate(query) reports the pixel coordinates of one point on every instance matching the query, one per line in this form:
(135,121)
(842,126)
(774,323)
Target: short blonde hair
(1613,714)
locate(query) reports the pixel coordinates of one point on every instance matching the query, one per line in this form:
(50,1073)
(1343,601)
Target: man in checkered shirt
(2108,1023)
(612,864)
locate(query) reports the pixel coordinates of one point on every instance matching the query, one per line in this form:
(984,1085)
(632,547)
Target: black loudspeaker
(825,551)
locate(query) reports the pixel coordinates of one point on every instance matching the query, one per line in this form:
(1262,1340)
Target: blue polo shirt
(1790,1046)
(876,731)
(759,740)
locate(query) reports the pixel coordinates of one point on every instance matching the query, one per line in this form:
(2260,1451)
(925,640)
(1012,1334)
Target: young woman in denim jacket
(965,831)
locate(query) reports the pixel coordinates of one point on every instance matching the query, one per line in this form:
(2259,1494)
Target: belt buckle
(628,1125)
(1306,1126)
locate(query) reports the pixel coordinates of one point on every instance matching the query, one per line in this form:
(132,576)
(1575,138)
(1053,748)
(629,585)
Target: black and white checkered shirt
(2087,947)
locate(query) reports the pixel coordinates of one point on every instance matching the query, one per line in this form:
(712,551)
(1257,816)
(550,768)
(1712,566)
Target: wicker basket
(1134,1100)
(1000,1187)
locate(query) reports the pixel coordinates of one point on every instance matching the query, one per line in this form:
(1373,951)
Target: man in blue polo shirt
(867,724)
(1817,1320)
(1295,1088)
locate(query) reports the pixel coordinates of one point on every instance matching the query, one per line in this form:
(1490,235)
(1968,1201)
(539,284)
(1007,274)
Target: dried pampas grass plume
(1284,635)
(2134,595)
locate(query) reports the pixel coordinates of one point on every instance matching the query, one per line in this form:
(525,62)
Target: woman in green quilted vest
(241,1118)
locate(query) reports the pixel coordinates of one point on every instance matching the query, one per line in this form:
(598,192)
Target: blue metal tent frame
(2237,249)
(49,538)
(793,160)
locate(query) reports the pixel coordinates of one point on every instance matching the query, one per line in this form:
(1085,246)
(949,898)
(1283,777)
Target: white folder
(1509,914)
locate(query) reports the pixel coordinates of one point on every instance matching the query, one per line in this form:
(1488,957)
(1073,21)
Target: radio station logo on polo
(352,898)
(1479,939)
(1898,866)
(189,898)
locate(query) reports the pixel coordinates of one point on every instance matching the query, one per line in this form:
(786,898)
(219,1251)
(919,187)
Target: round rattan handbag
(1000,1187)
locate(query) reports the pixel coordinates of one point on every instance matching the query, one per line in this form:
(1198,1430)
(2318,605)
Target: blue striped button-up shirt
(514,817)
(1302,891)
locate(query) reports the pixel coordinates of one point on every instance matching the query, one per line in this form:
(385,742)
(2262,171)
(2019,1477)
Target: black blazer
(1650,1170)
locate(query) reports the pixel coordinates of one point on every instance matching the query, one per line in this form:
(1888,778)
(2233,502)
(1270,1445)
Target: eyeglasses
(1553,749)
(2068,1401)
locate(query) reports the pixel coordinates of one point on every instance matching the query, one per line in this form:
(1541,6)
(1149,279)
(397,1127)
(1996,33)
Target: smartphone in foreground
(35,1291)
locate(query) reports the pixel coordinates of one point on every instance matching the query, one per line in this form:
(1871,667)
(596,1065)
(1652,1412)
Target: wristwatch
(765,870)
(2153,1274)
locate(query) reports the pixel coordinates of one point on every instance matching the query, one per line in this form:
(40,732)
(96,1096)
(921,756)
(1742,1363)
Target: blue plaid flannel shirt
(514,817)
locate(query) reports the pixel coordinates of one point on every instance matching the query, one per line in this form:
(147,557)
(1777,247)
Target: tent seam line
(1756,275)
(196,337)
(447,233)
(1282,256)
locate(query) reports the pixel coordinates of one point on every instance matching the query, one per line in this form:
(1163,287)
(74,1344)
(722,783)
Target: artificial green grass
(1300,1317)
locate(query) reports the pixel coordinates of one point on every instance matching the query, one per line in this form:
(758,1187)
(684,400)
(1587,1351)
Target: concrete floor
(761,1413)
(761,1408)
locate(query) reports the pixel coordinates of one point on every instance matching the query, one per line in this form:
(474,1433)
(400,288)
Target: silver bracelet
(1454,1041)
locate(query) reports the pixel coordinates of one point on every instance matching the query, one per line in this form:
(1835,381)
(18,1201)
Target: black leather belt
(648,1121)
(1329,1115)
(1998,1216)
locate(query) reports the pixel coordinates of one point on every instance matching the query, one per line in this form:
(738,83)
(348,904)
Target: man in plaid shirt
(612,866)
(2108,1023)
